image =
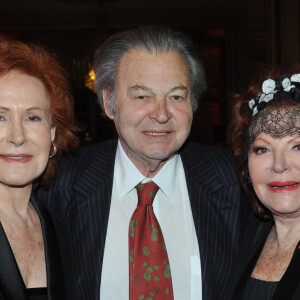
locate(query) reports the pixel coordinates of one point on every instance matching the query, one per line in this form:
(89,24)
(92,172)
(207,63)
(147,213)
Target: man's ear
(105,96)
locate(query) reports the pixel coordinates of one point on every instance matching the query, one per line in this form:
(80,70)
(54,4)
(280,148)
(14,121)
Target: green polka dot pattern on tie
(149,268)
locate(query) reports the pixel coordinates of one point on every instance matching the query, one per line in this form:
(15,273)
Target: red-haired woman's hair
(238,127)
(35,61)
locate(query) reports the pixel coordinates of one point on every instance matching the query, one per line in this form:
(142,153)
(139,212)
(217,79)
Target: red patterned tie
(149,268)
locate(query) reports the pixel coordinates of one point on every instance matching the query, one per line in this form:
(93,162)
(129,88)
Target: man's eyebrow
(181,87)
(141,87)
(149,90)
(4,108)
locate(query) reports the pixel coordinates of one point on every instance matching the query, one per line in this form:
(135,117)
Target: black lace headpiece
(270,87)
(275,111)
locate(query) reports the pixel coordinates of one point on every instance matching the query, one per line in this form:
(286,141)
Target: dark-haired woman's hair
(238,127)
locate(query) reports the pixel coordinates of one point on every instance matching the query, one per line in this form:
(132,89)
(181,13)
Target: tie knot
(146,192)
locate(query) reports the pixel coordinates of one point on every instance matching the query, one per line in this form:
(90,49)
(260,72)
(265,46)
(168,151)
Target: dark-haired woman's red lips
(16,158)
(283,186)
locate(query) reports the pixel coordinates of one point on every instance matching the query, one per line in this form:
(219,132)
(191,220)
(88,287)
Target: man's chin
(160,155)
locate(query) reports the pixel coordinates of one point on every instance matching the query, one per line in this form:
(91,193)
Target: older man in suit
(148,82)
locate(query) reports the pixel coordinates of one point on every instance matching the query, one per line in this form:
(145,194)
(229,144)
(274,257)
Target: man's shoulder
(84,168)
(103,148)
(202,161)
(85,158)
(87,153)
(200,152)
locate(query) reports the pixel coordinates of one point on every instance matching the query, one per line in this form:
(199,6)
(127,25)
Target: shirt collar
(128,176)
(167,177)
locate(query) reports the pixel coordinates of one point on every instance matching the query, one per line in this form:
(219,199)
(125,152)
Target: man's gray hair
(152,39)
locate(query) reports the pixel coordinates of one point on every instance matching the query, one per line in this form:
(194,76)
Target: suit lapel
(208,170)
(202,181)
(93,190)
(97,177)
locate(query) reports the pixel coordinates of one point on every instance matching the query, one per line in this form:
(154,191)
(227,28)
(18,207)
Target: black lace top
(37,294)
(252,289)
(259,290)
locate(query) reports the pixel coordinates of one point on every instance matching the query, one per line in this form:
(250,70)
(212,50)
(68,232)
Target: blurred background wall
(235,38)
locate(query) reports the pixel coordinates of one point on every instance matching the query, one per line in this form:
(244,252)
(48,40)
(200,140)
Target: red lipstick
(283,186)
(16,158)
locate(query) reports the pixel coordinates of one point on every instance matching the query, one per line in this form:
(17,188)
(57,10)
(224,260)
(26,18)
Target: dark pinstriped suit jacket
(83,190)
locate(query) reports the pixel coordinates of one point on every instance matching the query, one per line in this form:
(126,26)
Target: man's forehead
(140,67)
(137,56)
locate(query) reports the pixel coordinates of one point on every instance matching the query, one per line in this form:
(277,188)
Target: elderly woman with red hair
(265,135)
(36,125)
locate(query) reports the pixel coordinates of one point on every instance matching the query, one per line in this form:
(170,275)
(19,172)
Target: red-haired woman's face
(274,168)
(25,129)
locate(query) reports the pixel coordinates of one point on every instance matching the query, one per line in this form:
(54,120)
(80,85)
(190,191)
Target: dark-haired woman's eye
(260,150)
(297,147)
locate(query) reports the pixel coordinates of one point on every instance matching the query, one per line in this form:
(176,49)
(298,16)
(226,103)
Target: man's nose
(160,111)
(16,133)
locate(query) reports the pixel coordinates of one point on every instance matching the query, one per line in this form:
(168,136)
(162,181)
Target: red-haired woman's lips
(16,158)
(283,186)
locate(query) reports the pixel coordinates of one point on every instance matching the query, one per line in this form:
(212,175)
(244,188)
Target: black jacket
(12,286)
(82,194)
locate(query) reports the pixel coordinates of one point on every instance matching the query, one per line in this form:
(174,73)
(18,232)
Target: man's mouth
(155,133)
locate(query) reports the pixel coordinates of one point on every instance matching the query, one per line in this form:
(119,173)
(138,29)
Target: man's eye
(176,97)
(142,97)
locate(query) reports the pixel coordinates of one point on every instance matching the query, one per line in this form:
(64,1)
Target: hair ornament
(270,87)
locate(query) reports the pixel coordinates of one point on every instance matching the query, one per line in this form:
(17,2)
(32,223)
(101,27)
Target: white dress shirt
(173,212)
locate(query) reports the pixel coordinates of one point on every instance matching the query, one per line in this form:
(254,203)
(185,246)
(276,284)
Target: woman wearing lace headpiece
(265,135)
